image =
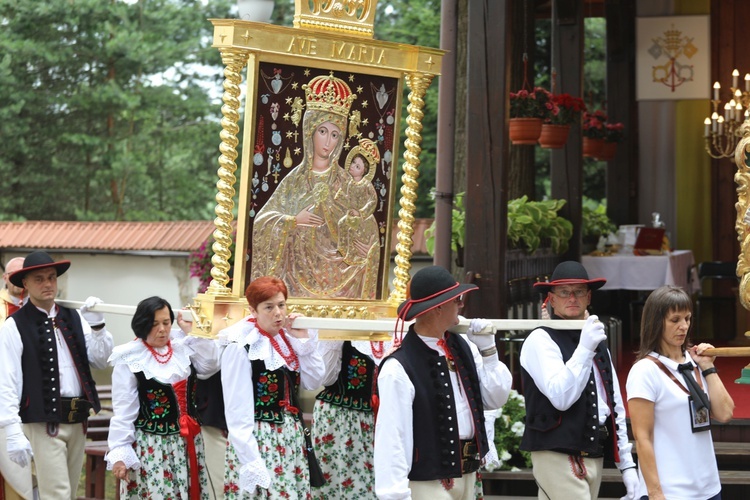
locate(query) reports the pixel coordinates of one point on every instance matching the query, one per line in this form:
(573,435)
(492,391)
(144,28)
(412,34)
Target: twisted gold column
(234,60)
(418,83)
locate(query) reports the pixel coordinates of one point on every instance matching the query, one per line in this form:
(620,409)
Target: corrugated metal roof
(172,236)
(105,237)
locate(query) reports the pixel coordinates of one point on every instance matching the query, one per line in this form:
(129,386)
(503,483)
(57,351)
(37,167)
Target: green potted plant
(509,427)
(531,222)
(594,223)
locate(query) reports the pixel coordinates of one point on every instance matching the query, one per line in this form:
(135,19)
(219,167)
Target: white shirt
(239,402)
(563,383)
(99,346)
(685,460)
(133,357)
(394,437)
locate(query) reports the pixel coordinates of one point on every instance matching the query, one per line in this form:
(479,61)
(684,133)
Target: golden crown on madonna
(328,93)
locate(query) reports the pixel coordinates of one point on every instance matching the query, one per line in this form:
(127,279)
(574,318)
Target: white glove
(482,341)
(91,317)
(592,333)
(630,478)
(19,448)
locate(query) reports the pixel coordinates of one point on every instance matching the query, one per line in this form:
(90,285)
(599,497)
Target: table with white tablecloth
(643,272)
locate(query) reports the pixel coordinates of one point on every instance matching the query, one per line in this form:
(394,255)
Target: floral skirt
(343,441)
(282,449)
(164,472)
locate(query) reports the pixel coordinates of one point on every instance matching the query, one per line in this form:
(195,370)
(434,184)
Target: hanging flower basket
(554,136)
(525,130)
(592,147)
(607,151)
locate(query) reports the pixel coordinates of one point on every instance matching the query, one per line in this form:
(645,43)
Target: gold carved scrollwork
(742,223)
(418,83)
(353,17)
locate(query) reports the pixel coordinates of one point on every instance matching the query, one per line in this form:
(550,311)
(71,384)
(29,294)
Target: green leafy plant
(530,222)
(509,427)
(595,222)
(458,225)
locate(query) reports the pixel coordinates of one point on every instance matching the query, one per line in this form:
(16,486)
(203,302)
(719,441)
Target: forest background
(110,110)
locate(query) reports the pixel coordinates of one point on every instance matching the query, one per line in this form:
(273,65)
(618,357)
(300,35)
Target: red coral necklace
(377,349)
(291,359)
(162,359)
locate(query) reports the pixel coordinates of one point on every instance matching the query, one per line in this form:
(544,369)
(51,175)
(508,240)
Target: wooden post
(488,65)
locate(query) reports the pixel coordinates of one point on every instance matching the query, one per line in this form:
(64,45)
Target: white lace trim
(125,454)
(365,347)
(139,359)
(254,474)
(245,333)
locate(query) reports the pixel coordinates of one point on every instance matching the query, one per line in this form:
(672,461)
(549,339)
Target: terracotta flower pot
(525,130)
(607,151)
(592,147)
(554,136)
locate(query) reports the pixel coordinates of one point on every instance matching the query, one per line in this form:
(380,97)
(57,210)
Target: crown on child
(328,93)
(370,149)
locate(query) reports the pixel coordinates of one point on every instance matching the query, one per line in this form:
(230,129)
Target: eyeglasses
(565,294)
(459,300)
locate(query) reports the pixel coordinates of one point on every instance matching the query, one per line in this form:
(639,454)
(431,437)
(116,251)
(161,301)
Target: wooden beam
(487,74)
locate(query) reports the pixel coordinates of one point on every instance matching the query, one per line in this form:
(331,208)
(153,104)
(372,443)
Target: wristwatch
(709,371)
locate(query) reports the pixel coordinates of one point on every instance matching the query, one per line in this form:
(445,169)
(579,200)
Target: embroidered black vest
(269,388)
(437,453)
(209,396)
(574,431)
(40,399)
(353,389)
(160,411)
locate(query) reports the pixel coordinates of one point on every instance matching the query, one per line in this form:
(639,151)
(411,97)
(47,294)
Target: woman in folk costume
(295,233)
(156,449)
(262,367)
(344,421)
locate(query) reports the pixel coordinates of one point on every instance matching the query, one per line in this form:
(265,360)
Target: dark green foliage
(105,109)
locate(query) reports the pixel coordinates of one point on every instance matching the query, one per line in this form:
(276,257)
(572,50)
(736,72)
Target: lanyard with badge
(698,403)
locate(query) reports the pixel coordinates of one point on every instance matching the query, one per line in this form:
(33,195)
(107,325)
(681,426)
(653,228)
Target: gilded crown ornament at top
(328,93)
(352,17)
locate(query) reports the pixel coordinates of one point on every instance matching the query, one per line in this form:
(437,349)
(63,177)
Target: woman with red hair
(266,436)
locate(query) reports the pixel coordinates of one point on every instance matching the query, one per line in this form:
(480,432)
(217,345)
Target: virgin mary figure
(295,236)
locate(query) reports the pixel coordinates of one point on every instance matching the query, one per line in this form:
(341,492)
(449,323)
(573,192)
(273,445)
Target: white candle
(707,127)
(732,104)
(738,112)
(726,111)
(747,82)
(716,91)
(735,76)
(721,125)
(714,122)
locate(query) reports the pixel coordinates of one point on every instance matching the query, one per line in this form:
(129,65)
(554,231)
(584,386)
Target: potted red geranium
(562,111)
(594,132)
(613,133)
(527,111)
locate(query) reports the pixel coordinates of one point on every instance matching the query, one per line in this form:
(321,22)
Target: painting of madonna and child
(323,175)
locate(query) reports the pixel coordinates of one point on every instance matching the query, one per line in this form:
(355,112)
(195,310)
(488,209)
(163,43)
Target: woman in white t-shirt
(669,407)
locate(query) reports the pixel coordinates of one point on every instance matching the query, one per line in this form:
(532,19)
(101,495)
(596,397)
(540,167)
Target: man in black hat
(429,434)
(574,411)
(46,381)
